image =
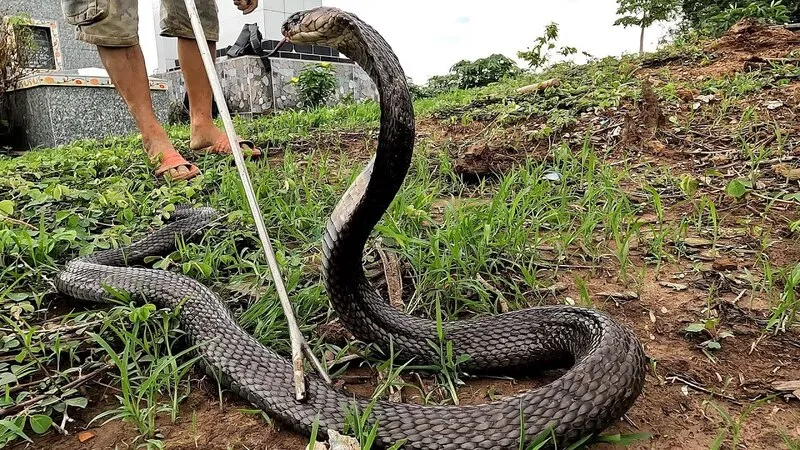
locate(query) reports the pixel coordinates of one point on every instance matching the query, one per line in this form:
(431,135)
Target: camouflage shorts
(115,23)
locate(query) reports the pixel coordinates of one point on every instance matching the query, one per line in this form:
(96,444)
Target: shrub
(316,84)
(483,71)
(467,74)
(766,12)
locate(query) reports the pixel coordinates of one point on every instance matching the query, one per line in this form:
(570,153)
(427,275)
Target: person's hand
(246,6)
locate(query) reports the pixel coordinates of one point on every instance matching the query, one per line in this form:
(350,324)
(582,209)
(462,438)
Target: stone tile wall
(74,53)
(57,115)
(244,80)
(250,89)
(351,81)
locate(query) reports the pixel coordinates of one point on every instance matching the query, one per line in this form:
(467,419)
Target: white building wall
(269,15)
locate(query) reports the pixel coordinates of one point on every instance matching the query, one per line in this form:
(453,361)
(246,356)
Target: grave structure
(64,94)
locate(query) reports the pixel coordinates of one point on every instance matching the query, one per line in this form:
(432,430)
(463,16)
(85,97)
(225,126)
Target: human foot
(171,164)
(208,138)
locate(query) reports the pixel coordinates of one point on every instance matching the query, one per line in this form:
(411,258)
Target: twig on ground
(699,388)
(73,384)
(19,222)
(394,279)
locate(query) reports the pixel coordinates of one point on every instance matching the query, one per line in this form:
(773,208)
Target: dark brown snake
(607,362)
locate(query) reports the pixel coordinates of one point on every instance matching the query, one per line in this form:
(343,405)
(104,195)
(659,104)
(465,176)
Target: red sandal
(174,161)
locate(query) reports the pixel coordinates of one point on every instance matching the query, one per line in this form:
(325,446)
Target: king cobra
(605,363)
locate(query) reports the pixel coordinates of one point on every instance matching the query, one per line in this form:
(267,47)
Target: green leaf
(792,196)
(77,402)
(625,439)
(713,345)
(695,328)
(736,189)
(689,185)
(40,423)
(7,378)
(17,296)
(14,427)
(6,208)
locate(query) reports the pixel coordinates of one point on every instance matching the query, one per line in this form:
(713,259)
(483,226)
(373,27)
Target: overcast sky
(430,36)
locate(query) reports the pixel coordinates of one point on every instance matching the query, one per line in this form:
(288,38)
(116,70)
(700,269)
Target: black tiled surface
(303,48)
(288,55)
(331,59)
(306,57)
(322,50)
(286,47)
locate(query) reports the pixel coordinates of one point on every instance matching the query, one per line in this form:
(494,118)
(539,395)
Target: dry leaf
(696,242)
(394,278)
(787,172)
(675,286)
(553,289)
(338,441)
(774,104)
(706,98)
(627,295)
(786,386)
(723,264)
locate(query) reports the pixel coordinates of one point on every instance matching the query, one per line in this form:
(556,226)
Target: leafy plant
(467,74)
(481,72)
(316,84)
(357,423)
(643,14)
(710,327)
(772,12)
(738,188)
(537,56)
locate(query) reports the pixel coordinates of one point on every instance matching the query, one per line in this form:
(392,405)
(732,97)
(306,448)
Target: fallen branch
(394,279)
(71,385)
(19,222)
(531,88)
(699,388)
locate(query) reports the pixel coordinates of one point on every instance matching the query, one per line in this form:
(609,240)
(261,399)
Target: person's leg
(114,30)
(126,67)
(203,131)
(175,22)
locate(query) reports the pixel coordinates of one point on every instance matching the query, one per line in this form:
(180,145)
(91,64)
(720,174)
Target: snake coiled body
(607,362)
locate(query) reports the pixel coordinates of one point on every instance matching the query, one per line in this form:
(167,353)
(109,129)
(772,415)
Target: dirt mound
(748,38)
(745,42)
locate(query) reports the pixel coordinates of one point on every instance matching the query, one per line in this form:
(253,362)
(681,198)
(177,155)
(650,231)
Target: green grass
(74,200)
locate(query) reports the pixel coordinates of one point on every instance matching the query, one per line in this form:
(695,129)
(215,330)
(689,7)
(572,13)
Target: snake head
(322,25)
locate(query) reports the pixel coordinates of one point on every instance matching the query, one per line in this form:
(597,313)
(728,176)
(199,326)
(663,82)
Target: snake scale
(606,362)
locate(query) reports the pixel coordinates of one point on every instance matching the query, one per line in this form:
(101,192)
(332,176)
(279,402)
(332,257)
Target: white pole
(298,342)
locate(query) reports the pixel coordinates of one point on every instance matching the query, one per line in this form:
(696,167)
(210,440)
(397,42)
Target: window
(35,46)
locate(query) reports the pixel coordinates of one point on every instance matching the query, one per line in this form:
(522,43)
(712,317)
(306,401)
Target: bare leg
(203,131)
(125,66)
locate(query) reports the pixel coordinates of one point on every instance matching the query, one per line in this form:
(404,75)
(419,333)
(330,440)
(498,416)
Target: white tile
(292,6)
(308,4)
(273,5)
(272,25)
